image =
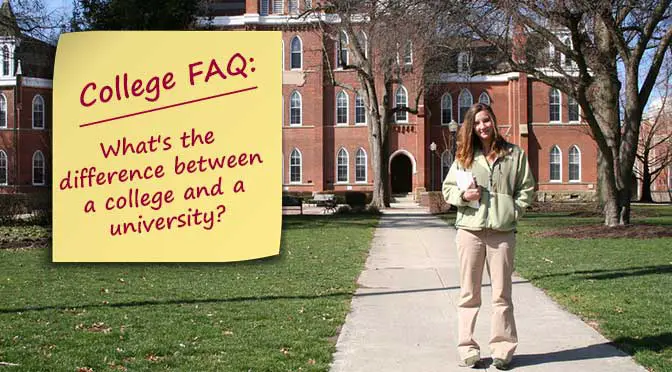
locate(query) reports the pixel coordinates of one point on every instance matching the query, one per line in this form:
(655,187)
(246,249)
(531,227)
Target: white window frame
(4,167)
(464,93)
(484,98)
(569,163)
(449,97)
(278,7)
(342,47)
(292,51)
(550,164)
(340,94)
(343,151)
(3,110)
(35,100)
(578,110)
(357,164)
(44,168)
(300,166)
(300,108)
(364,42)
(396,104)
(446,162)
(408,53)
(551,104)
(363,108)
(293,7)
(6,59)
(464,63)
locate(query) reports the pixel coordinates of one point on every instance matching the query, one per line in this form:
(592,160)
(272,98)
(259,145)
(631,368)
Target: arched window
(572,110)
(484,98)
(446,162)
(342,166)
(464,63)
(38,112)
(554,105)
(341,108)
(3,111)
(360,165)
(555,164)
(342,50)
(3,168)
(465,101)
(446,109)
(295,109)
(574,164)
(295,169)
(363,42)
(360,110)
(568,61)
(296,57)
(401,100)
(38,168)
(5,61)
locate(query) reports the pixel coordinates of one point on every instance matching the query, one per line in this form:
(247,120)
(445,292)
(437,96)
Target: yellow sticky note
(167,146)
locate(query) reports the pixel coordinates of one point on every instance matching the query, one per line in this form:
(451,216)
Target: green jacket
(507,188)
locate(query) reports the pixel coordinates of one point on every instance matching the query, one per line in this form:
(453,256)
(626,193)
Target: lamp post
(452,127)
(432,149)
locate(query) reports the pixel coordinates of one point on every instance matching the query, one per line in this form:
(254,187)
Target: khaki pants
(496,249)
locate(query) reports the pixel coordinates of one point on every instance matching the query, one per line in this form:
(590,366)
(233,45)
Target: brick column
(252,6)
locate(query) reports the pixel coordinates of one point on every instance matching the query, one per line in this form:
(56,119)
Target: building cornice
(461,78)
(37,82)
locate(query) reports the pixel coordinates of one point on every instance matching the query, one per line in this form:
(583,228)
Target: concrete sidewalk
(404,314)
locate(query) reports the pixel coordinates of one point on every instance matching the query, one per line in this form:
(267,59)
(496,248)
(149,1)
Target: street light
(452,127)
(432,149)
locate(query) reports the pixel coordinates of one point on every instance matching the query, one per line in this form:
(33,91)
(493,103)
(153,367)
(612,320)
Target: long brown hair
(468,142)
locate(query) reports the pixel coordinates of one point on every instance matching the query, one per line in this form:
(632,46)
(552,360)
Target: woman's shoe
(500,364)
(470,361)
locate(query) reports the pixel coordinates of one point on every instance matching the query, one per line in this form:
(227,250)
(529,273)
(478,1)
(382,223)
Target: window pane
(573,109)
(342,167)
(341,108)
(360,113)
(360,166)
(401,102)
(446,109)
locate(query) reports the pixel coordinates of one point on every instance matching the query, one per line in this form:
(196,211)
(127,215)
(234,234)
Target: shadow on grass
(656,343)
(613,273)
(343,295)
(597,351)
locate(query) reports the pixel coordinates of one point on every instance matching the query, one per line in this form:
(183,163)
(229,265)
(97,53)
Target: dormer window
(5,61)
(464,63)
(278,7)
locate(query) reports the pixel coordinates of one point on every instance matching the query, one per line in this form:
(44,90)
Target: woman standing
(490,183)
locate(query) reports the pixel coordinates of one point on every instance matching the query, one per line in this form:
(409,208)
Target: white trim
(44,112)
(8,81)
(3,153)
(487,96)
(405,121)
(460,78)
(347,166)
(550,163)
(569,163)
(33,82)
(347,109)
(366,120)
(289,178)
(410,156)
(460,119)
(550,92)
(274,19)
(44,169)
(291,51)
(450,97)
(3,98)
(300,123)
(366,166)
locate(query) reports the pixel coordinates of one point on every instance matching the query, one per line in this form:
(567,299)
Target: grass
(275,314)
(619,286)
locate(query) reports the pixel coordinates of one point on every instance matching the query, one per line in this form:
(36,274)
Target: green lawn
(621,286)
(276,314)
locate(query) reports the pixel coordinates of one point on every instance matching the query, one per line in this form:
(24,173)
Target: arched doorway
(401,174)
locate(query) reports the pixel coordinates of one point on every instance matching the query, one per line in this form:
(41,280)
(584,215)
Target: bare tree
(576,46)
(387,43)
(654,151)
(32,18)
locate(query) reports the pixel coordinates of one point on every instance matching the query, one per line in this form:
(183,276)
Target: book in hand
(463,180)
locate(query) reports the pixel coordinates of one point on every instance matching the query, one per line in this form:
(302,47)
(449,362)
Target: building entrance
(401,171)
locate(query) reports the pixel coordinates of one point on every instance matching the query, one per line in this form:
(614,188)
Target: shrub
(355,198)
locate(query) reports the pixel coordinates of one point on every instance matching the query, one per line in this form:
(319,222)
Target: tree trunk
(646,185)
(377,163)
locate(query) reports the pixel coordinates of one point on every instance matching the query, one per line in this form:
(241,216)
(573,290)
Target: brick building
(25,108)
(325,138)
